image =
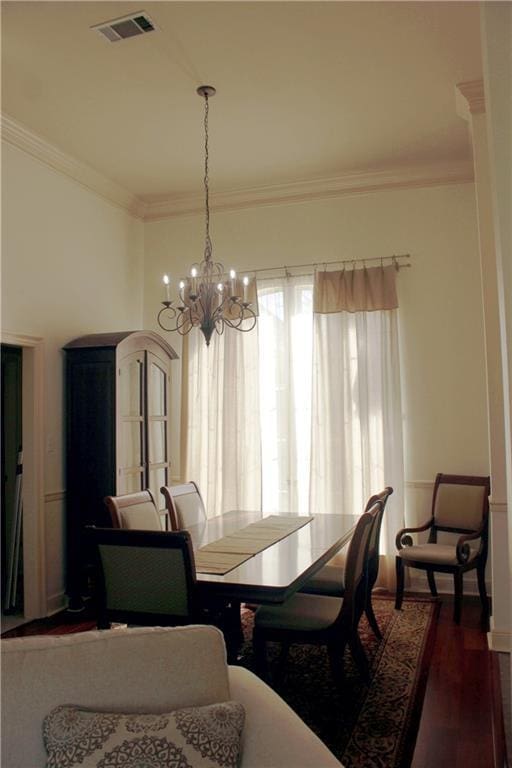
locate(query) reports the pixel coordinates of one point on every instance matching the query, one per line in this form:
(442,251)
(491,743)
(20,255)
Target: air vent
(128,26)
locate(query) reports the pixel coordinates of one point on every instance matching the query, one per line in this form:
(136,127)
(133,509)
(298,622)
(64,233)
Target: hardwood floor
(456,726)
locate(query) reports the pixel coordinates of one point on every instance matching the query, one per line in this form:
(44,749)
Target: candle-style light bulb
(193,273)
(246,283)
(166,283)
(232,277)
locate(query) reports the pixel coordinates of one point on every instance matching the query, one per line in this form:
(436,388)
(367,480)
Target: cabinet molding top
(113,339)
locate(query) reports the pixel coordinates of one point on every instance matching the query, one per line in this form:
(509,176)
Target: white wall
(71,264)
(440,299)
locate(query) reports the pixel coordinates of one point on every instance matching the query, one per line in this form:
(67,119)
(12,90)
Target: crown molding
(157,208)
(347,185)
(470,98)
(19,136)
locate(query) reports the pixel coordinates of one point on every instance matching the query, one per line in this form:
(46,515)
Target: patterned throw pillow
(196,737)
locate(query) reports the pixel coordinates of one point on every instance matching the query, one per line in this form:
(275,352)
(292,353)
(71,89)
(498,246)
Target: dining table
(273,574)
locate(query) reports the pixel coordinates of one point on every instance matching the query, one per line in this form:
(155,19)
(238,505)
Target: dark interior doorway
(12,479)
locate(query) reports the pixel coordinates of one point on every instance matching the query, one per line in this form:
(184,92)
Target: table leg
(233,632)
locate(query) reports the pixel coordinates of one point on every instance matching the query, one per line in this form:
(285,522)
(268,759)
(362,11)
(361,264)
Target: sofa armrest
(274,736)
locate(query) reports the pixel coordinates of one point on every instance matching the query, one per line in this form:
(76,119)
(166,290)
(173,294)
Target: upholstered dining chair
(321,619)
(145,577)
(185,507)
(136,511)
(329,580)
(184,504)
(460,505)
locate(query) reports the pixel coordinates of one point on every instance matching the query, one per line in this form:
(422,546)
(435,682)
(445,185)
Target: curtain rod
(393,259)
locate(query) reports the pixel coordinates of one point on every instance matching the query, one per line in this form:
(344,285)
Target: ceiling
(305,90)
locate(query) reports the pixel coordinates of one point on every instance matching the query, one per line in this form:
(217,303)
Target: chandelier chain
(208,242)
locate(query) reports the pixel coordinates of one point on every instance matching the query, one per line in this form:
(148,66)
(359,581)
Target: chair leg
(432,583)
(281,663)
(335,651)
(480,572)
(359,655)
(457,581)
(260,654)
(103,624)
(370,615)
(399,582)
(234,616)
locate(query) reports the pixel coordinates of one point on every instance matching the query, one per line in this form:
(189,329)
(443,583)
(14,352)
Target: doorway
(12,480)
(32,588)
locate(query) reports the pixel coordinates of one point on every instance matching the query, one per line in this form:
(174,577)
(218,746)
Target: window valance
(355,290)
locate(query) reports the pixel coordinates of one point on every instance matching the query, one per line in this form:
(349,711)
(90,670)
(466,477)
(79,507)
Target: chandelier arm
(245,315)
(167,312)
(199,301)
(220,327)
(184,320)
(222,306)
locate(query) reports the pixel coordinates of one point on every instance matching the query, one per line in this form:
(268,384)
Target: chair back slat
(144,580)
(374,543)
(184,504)
(134,511)
(353,602)
(145,576)
(375,533)
(459,506)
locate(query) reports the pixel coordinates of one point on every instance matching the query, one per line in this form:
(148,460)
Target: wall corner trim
(470,98)
(23,138)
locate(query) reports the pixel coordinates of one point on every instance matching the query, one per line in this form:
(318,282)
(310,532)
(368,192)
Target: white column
(496,33)
(471,106)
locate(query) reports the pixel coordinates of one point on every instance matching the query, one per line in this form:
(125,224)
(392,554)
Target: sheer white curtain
(357,419)
(302,414)
(223,450)
(285,329)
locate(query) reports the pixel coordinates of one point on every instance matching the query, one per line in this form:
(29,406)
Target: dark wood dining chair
(460,505)
(134,511)
(145,577)
(320,619)
(330,580)
(184,505)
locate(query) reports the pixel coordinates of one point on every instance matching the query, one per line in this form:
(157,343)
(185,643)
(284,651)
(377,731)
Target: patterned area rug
(365,726)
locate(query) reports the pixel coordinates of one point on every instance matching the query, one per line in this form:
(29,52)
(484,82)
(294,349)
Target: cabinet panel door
(131,447)
(158,394)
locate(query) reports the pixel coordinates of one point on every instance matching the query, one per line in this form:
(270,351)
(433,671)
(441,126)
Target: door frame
(34,539)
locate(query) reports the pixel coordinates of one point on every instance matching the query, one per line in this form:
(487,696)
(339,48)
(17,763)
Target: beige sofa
(144,670)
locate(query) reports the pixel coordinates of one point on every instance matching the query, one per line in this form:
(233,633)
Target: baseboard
(499,641)
(56,603)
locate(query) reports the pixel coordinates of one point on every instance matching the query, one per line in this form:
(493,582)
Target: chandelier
(209,298)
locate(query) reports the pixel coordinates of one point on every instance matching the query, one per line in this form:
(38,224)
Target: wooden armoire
(117,433)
